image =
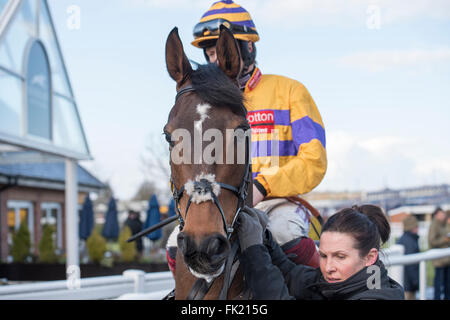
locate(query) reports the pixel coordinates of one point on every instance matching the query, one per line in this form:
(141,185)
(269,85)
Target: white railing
(137,285)
(158,284)
(394,260)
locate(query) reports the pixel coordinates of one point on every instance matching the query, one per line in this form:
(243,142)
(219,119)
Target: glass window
(11,227)
(21,28)
(67,130)
(10,104)
(48,37)
(18,212)
(51,215)
(3,5)
(38,92)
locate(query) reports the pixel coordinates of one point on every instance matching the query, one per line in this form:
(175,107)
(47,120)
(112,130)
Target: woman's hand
(250,231)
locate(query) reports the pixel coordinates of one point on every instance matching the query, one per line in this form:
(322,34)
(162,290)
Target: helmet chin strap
(248,56)
(243,79)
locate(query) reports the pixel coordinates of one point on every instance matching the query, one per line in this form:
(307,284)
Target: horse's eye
(241,132)
(169,139)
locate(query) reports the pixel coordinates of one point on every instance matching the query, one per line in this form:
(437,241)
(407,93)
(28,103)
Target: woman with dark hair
(350,267)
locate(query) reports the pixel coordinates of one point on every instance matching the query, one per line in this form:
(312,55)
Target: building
(418,201)
(38,112)
(329,203)
(32,190)
(423,195)
(388,199)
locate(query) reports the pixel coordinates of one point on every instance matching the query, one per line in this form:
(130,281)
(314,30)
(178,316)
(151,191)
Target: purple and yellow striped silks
(288,136)
(232,12)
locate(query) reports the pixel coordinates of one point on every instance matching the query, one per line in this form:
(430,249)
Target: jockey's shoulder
(282,81)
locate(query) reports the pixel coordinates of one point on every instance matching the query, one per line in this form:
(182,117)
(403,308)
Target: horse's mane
(215,88)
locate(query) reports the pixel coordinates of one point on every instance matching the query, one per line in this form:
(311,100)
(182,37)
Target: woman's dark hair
(367,224)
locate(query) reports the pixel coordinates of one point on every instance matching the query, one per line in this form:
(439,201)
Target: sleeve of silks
(303,172)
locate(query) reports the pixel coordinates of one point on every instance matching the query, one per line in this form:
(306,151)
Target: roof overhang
(42,147)
(21,181)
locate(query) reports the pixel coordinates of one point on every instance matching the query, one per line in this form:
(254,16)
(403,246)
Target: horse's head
(207,133)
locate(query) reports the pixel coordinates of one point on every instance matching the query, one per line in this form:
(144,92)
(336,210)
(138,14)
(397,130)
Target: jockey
(288,135)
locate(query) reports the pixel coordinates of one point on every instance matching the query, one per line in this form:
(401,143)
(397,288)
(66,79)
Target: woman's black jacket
(270,275)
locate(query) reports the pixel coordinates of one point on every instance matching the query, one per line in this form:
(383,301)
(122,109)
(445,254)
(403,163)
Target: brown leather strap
(300,201)
(306,204)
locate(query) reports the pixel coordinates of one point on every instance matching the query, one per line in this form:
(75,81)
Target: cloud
(383,145)
(378,162)
(167,4)
(400,10)
(381,60)
(317,11)
(331,12)
(322,13)
(433,167)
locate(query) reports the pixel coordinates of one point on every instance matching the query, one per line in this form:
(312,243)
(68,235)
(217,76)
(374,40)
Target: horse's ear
(177,63)
(228,53)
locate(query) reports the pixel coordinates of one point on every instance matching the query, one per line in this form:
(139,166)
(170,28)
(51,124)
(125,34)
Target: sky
(378,71)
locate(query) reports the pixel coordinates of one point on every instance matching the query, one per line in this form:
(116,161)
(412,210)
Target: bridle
(203,186)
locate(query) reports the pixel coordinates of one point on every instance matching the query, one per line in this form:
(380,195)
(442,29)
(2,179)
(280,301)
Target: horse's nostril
(216,246)
(213,246)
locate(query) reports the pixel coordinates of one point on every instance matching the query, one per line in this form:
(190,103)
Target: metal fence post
(396,271)
(139,279)
(71,216)
(423,279)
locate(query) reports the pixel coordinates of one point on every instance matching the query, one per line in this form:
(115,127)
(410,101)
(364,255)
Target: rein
(201,286)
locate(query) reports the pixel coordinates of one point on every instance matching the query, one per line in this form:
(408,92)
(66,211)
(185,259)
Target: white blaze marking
(202,110)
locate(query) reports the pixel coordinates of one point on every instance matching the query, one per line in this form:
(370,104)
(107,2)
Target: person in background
(410,240)
(166,230)
(438,237)
(135,224)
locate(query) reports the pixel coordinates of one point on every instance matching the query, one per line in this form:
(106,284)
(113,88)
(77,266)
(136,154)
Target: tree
(127,249)
(21,243)
(145,191)
(155,166)
(155,159)
(96,245)
(47,245)
(104,195)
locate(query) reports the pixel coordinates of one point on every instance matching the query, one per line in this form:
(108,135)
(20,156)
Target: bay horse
(209,194)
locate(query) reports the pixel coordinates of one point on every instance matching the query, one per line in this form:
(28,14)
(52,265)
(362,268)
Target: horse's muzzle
(207,257)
